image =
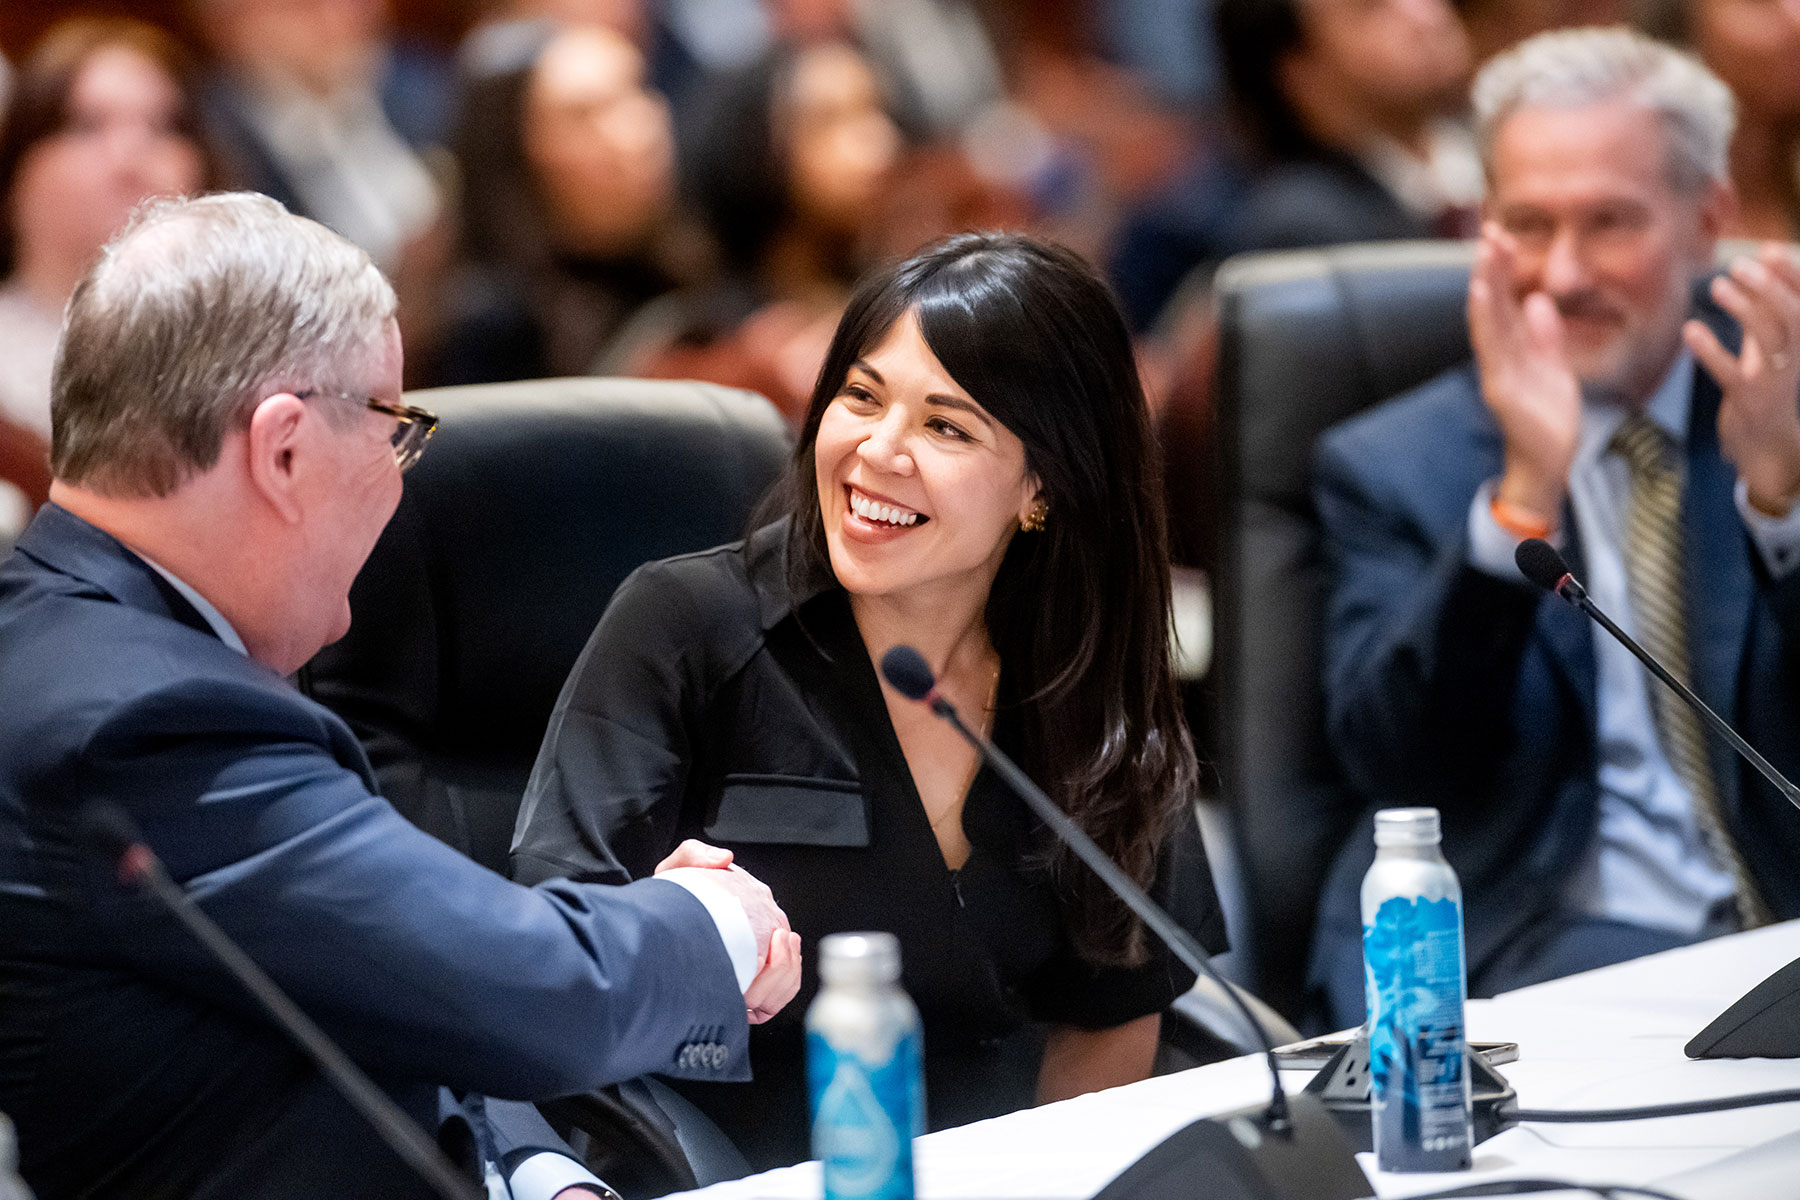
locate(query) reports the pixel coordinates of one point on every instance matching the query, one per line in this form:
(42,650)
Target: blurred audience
(1754,46)
(102,115)
(319,109)
(568,208)
(791,161)
(511,33)
(1350,109)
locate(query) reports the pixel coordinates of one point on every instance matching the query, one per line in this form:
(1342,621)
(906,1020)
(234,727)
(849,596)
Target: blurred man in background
(1654,434)
(1351,108)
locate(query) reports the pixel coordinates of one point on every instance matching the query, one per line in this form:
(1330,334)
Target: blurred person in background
(317,107)
(510,33)
(103,114)
(1754,46)
(1587,815)
(792,159)
(568,211)
(1350,110)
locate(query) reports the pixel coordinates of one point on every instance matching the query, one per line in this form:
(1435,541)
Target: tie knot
(1643,445)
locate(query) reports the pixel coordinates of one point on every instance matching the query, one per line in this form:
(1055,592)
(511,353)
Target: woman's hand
(778,981)
(1078,1061)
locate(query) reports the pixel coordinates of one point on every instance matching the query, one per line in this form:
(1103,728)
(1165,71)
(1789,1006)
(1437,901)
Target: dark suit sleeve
(423,963)
(605,794)
(1422,650)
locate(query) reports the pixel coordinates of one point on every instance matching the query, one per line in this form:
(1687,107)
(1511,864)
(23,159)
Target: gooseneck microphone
(1303,1154)
(111,831)
(1541,564)
(907,672)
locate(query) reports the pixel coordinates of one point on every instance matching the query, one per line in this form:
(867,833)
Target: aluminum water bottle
(1413,960)
(11,1186)
(864,1064)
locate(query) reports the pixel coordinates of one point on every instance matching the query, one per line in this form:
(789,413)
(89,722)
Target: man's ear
(1718,211)
(274,445)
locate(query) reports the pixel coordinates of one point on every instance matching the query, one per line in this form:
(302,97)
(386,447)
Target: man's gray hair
(1575,68)
(196,311)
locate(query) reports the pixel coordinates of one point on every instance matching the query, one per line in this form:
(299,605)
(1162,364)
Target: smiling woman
(974,479)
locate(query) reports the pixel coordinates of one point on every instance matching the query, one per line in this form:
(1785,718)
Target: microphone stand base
(1236,1156)
(1764,1023)
(1343,1085)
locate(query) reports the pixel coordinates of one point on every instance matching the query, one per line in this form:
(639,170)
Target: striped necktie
(1653,557)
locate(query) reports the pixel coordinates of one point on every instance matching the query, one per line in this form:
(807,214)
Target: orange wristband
(1521,525)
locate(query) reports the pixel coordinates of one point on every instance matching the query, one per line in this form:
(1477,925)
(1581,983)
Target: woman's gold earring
(1034,520)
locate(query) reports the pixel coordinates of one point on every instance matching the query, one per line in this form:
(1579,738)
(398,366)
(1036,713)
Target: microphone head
(907,672)
(1540,563)
(108,829)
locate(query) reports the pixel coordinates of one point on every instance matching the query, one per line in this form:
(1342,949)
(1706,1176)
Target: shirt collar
(766,554)
(202,605)
(1669,407)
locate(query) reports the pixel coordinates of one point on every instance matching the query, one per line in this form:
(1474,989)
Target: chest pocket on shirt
(790,811)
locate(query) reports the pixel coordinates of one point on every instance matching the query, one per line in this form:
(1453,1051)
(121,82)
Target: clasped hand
(777,946)
(1535,396)
(1759,416)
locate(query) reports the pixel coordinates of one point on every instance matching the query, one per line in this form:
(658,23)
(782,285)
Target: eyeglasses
(416,425)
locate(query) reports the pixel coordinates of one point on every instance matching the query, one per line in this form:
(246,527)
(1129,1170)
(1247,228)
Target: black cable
(1514,1187)
(1683,1109)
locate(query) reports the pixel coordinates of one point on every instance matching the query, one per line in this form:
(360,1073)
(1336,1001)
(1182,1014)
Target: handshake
(777,946)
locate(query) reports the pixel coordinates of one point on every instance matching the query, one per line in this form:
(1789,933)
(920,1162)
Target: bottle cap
(859,958)
(1407,827)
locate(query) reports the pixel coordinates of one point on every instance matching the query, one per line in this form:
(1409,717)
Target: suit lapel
(1568,635)
(1719,580)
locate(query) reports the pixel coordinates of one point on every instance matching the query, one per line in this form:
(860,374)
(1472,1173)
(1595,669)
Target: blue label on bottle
(1419,1097)
(865,1116)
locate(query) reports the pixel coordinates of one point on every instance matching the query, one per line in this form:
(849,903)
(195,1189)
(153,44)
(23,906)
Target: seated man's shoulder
(717,598)
(1445,405)
(1321,201)
(96,667)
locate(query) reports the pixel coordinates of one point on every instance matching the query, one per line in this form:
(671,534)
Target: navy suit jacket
(131,1063)
(1448,687)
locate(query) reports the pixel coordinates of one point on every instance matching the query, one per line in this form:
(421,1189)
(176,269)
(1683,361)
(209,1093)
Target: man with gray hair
(228,444)
(1644,418)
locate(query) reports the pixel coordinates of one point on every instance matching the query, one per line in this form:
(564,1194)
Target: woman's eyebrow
(941,399)
(958,403)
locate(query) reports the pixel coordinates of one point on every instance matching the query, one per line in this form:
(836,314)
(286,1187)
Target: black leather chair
(530,506)
(1307,339)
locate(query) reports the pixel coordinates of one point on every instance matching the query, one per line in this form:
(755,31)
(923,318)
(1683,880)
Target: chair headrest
(530,506)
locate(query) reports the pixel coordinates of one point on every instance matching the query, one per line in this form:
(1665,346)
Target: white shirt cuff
(727,914)
(1777,538)
(1491,548)
(541,1176)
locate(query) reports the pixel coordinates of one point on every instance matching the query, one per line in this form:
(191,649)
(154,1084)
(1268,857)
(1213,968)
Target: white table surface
(1604,1039)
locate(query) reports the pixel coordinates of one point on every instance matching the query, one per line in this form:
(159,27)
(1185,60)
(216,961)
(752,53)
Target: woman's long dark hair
(1079,612)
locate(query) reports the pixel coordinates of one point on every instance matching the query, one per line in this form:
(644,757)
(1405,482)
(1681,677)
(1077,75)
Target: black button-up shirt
(712,703)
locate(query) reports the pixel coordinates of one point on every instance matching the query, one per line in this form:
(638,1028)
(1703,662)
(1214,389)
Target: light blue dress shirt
(1647,864)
